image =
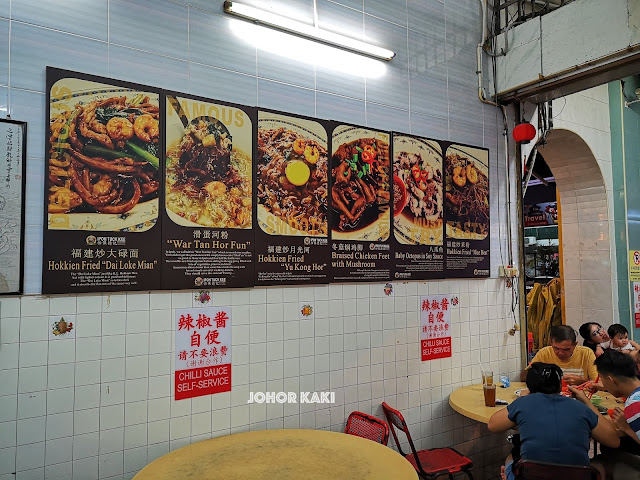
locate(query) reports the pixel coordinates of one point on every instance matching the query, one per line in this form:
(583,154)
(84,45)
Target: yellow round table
(469,400)
(281,455)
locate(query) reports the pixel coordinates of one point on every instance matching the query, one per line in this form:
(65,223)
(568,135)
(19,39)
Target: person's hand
(570,379)
(620,420)
(595,386)
(578,394)
(599,351)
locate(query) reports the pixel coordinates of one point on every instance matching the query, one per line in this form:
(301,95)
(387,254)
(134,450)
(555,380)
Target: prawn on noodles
(99,161)
(208,181)
(466,196)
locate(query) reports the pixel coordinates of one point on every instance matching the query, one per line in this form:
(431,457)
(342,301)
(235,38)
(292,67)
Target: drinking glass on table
(487,378)
(489,395)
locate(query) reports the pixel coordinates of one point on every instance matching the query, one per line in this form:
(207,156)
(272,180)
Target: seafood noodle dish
(292,179)
(208,181)
(103,156)
(466,198)
(423,183)
(360,191)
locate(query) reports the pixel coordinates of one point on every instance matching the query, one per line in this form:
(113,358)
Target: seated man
(618,375)
(553,428)
(575,361)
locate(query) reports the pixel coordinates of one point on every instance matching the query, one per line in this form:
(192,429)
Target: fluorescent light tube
(272,20)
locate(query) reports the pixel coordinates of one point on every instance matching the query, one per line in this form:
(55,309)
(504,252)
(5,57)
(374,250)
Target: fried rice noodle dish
(467,195)
(103,156)
(208,182)
(360,182)
(292,179)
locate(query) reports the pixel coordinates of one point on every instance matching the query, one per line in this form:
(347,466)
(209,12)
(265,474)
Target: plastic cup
(487,378)
(489,395)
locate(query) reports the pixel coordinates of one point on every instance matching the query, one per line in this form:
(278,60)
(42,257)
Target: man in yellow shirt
(576,362)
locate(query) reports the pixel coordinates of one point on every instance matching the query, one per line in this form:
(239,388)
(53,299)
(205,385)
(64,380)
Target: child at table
(620,340)
(546,421)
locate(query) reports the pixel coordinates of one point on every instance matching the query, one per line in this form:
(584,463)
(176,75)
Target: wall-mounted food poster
(207,234)
(292,189)
(102,179)
(147,189)
(360,204)
(466,205)
(417,208)
(13,137)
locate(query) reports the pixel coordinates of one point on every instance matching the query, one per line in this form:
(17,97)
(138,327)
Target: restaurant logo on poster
(203,352)
(435,327)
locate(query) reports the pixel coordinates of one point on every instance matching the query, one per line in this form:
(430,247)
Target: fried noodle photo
(208,181)
(466,196)
(292,179)
(361,188)
(103,156)
(423,183)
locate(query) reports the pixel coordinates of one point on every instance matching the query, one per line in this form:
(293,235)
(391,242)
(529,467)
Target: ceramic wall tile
(283,97)
(284,68)
(340,19)
(334,107)
(220,41)
(145,24)
(88,18)
(388,11)
(217,83)
(382,117)
(148,68)
(33,48)
(4,56)
(428,126)
(428,95)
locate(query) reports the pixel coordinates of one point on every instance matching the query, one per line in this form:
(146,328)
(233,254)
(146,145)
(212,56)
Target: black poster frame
(159,282)
(21,228)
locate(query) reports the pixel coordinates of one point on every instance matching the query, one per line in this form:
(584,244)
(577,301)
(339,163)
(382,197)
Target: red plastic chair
(366,426)
(429,463)
(530,470)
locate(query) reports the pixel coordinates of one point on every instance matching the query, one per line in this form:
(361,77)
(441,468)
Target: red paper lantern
(525,132)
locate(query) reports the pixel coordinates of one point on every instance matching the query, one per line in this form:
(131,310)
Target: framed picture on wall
(13,136)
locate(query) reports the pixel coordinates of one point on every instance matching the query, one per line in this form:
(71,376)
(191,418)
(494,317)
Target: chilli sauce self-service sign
(203,351)
(636,303)
(435,327)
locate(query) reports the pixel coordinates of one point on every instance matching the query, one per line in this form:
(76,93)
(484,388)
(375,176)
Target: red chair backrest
(530,470)
(395,418)
(366,426)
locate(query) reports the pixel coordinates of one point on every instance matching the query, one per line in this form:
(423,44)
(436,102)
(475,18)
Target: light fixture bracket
(272,20)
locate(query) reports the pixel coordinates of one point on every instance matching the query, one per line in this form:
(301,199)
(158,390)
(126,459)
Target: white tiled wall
(579,155)
(100,405)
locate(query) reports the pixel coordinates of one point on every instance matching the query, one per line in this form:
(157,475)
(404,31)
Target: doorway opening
(575,266)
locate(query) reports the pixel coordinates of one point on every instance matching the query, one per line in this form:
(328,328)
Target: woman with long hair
(595,337)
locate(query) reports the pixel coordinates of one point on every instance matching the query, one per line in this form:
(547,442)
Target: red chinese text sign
(435,327)
(636,303)
(203,351)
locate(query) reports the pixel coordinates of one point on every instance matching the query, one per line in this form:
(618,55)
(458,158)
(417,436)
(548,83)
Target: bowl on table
(596,400)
